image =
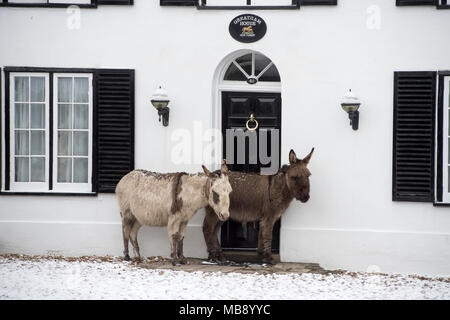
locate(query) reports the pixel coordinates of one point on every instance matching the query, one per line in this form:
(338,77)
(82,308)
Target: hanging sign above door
(248,28)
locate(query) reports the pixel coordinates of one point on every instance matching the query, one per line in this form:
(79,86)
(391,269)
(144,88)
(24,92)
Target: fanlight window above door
(252,67)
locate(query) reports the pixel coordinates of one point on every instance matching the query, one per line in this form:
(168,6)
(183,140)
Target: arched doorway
(248,85)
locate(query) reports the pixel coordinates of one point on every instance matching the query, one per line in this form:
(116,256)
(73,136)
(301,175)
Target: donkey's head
(297,176)
(218,191)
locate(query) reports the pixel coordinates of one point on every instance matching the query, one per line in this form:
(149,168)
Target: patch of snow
(59,279)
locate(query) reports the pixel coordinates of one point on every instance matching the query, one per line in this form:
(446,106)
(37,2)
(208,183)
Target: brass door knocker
(253,120)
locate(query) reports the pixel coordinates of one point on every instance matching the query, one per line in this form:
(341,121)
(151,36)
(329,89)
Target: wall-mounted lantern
(350,104)
(160,100)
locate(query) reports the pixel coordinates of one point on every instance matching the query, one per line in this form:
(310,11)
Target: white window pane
(271,2)
(64,169)
(81,114)
(81,89)
(37,169)
(226,2)
(37,89)
(21,142)
(64,89)
(80,170)
(65,116)
(37,142)
(448,179)
(71,1)
(448,152)
(22,168)
(80,143)
(64,143)
(22,89)
(37,116)
(27,1)
(21,115)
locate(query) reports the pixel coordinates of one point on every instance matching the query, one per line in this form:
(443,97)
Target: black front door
(237,107)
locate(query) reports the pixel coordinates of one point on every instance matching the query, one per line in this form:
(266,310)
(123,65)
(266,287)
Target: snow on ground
(61,279)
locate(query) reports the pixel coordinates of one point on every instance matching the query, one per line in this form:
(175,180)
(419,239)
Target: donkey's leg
(260,250)
(217,245)
(127,223)
(133,237)
(266,235)
(174,237)
(181,232)
(211,226)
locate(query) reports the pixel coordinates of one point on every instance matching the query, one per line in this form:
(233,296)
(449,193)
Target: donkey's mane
(159,175)
(283,169)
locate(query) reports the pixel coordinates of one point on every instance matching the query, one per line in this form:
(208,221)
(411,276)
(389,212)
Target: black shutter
(413,149)
(416,2)
(318,2)
(115,2)
(115,127)
(177,2)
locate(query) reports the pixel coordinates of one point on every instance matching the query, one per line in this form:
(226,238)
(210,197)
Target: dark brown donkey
(262,198)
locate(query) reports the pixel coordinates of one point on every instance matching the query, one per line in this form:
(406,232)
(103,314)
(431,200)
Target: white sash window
(38,163)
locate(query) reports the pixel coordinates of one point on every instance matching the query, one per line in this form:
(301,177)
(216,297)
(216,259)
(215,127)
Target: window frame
(27,186)
(439,4)
(444,160)
(72,187)
(443,4)
(8,187)
(269,86)
(92,5)
(203,5)
(6,3)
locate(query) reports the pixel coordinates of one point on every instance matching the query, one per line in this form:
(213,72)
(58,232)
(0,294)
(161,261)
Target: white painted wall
(350,221)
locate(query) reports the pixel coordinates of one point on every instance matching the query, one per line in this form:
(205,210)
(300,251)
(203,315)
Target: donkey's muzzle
(303,198)
(223,216)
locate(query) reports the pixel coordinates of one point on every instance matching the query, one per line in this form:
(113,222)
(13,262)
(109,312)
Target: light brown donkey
(172,199)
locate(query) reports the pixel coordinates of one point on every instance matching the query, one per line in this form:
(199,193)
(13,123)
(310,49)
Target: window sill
(48,5)
(79,194)
(441,204)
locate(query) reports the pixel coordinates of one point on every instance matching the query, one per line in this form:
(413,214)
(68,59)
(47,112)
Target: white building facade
(76,84)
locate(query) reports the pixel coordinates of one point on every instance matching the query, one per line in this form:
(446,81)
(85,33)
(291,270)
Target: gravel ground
(100,278)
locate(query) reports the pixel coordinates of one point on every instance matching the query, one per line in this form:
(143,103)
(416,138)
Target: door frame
(220,86)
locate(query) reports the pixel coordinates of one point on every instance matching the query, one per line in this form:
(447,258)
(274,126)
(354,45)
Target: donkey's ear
(224,168)
(205,170)
(308,157)
(292,157)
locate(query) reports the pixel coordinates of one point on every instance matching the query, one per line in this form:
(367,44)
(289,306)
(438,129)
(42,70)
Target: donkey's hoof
(183,260)
(126,258)
(217,257)
(176,262)
(269,260)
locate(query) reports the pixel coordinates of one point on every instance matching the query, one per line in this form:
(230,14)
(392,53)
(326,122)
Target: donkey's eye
(215,197)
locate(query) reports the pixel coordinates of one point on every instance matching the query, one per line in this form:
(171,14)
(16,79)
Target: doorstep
(240,262)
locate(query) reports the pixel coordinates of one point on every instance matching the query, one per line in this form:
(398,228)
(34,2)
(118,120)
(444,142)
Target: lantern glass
(350,107)
(160,104)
